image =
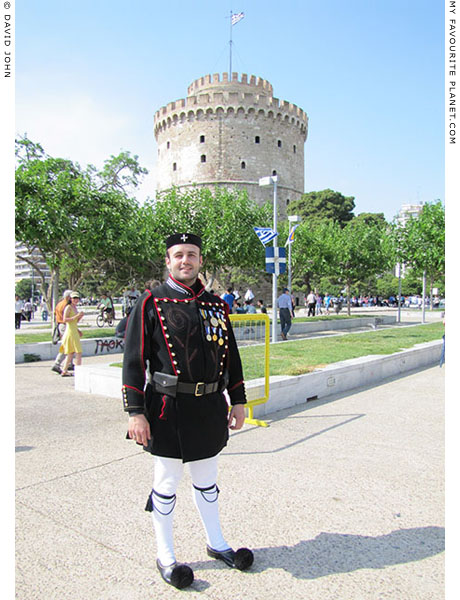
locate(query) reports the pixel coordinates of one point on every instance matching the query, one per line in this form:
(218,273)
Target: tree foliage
(321,205)
(80,221)
(223,218)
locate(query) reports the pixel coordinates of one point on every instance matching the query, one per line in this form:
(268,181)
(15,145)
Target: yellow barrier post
(264,319)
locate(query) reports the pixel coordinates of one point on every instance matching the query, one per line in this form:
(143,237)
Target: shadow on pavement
(331,553)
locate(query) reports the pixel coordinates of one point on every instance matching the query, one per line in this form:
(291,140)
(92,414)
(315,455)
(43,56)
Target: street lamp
(264,181)
(292,219)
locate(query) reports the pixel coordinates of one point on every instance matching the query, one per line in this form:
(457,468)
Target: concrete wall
(49,351)
(290,391)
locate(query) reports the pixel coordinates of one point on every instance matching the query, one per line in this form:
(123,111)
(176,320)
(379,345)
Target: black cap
(286,290)
(183,238)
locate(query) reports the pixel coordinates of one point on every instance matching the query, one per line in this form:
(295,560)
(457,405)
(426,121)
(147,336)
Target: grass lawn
(303,356)
(32,338)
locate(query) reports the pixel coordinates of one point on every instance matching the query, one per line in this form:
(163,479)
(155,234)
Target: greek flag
(265,234)
(237,17)
(291,235)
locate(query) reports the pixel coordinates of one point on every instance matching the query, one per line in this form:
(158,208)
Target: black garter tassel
(149,505)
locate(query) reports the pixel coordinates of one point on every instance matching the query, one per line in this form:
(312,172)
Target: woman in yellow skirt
(71,345)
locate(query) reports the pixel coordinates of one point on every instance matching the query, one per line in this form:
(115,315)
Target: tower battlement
(211,81)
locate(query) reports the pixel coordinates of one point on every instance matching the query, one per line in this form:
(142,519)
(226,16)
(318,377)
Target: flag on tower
(291,235)
(265,234)
(237,17)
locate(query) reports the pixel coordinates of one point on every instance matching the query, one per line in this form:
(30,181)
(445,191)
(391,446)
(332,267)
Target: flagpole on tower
(231,27)
(234,19)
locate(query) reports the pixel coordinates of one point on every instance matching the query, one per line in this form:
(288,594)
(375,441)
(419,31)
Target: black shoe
(242,559)
(56,369)
(71,367)
(178,575)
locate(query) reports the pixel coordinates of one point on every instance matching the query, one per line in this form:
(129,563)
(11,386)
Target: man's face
(184,262)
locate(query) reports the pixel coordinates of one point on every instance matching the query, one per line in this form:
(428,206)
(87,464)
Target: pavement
(340,499)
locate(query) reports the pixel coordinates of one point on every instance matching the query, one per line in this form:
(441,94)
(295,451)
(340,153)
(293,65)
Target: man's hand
(236,414)
(139,429)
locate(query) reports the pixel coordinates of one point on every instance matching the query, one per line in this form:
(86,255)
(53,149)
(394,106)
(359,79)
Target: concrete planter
(91,347)
(290,391)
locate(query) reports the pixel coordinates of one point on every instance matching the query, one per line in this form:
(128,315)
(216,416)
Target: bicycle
(104,317)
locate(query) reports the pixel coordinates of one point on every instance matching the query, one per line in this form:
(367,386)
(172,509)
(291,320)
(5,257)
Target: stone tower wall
(232,133)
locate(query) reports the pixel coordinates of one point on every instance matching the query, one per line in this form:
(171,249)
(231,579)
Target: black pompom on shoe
(178,575)
(242,559)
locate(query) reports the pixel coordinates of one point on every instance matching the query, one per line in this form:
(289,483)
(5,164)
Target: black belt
(197,389)
(169,384)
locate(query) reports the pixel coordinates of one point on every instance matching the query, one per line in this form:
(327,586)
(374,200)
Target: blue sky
(369,73)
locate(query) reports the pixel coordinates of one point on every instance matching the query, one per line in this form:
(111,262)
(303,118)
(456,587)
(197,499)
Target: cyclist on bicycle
(106,306)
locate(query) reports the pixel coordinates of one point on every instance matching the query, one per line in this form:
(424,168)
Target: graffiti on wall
(109,345)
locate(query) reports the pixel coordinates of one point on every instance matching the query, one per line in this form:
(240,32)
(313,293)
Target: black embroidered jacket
(185,332)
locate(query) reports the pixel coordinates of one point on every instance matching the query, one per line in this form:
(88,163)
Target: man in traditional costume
(180,338)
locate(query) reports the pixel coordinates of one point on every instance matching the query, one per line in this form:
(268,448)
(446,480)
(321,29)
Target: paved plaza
(341,499)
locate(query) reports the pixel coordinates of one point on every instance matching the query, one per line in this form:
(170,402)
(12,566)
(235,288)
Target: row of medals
(214,324)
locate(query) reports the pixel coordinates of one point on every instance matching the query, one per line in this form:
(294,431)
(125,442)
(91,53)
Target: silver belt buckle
(197,392)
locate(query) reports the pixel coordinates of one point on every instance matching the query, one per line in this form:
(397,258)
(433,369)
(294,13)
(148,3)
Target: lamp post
(292,219)
(264,181)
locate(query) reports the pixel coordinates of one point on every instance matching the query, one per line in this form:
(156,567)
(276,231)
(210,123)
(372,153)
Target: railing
(251,329)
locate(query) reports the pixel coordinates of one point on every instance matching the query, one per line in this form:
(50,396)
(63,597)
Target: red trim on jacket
(164,335)
(133,388)
(142,328)
(235,386)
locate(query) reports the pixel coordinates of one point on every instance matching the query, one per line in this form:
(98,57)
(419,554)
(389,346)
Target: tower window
(174,166)
(279,143)
(203,158)
(201,139)
(257,139)
(287,202)
(273,172)
(294,148)
(168,144)
(243,165)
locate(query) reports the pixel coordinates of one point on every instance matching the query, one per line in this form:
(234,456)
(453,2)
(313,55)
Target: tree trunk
(348,300)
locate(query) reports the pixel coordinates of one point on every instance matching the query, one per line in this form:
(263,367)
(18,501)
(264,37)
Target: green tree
(372,219)
(360,251)
(422,243)
(223,218)
(312,251)
(80,222)
(325,204)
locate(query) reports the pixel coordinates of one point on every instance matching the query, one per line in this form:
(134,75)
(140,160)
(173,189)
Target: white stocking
(205,495)
(167,474)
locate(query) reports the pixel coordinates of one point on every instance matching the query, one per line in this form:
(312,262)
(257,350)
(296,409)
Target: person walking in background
(327,302)
(229,298)
(286,314)
(71,345)
(311,303)
(28,309)
(260,304)
(18,308)
(249,308)
(60,328)
(319,301)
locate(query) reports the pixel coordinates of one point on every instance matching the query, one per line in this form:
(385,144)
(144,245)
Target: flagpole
(230,70)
